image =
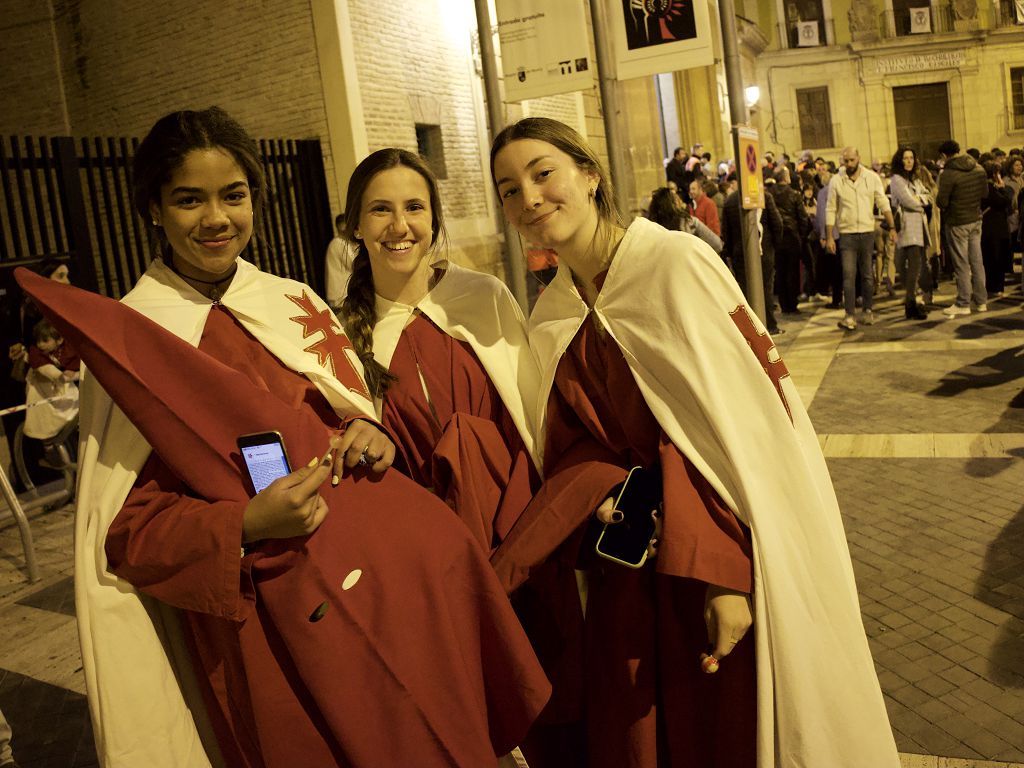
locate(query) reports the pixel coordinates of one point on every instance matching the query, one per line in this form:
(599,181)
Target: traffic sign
(751,183)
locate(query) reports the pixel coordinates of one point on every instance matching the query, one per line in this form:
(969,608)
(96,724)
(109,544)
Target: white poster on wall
(544,48)
(655,37)
(920,20)
(807,34)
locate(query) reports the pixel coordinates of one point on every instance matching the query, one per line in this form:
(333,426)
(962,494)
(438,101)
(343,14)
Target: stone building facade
(890,72)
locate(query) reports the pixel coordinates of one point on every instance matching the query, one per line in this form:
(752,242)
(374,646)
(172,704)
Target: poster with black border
(656,36)
(544,47)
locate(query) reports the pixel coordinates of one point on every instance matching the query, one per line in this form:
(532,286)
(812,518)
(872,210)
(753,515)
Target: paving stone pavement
(937,543)
(938,549)
(912,392)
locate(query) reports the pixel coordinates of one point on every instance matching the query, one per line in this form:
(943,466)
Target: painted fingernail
(335,480)
(617,516)
(708,664)
(314,461)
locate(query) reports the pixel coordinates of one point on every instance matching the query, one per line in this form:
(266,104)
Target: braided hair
(359,307)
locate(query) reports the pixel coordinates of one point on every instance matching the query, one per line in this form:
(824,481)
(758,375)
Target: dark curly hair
(169,142)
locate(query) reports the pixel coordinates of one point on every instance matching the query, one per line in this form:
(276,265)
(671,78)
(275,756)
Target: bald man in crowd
(853,194)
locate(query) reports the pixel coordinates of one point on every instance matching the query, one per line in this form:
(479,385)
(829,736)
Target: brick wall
(31,99)
(415,65)
(127,62)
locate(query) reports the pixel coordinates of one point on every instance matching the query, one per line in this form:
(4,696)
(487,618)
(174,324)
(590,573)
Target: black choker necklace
(215,294)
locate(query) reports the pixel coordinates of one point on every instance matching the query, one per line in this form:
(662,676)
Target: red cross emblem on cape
(330,349)
(764,350)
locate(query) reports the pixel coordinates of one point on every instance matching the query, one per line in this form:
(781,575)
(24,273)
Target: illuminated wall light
(752,94)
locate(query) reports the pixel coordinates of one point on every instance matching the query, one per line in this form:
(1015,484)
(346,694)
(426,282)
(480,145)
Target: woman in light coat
(910,196)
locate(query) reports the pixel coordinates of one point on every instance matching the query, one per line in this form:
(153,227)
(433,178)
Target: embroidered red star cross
(764,350)
(331,349)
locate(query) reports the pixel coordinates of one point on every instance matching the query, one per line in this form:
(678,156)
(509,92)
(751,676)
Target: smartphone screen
(265,458)
(626,542)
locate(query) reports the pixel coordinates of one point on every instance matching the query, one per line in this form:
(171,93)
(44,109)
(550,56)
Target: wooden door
(922,117)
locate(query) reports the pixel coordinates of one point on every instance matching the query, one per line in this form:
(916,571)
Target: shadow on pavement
(1001,586)
(992,371)
(982,328)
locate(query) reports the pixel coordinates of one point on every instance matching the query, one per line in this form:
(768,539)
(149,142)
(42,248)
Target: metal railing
(1003,13)
(72,199)
(936,19)
(789,34)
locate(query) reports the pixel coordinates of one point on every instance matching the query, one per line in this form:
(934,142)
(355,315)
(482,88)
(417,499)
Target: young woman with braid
(443,348)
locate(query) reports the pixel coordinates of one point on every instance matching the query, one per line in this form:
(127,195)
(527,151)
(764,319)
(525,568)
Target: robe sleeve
(523,479)
(181,550)
(701,539)
(580,474)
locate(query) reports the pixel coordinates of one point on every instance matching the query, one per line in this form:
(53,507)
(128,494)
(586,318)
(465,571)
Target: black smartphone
(626,542)
(265,458)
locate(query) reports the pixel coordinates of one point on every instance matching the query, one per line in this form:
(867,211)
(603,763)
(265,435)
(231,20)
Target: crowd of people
(839,235)
(430,590)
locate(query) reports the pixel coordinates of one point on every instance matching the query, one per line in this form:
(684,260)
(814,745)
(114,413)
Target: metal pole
(738,115)
(23,527)
(515,262)
(609,101)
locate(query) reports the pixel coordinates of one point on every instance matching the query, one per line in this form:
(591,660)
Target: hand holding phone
(265,458)
(287,503)
(628,542)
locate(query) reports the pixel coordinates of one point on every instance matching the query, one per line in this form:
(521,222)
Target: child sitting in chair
(50,389)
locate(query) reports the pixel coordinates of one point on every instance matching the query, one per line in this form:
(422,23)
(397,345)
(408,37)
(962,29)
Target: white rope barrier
(26,406)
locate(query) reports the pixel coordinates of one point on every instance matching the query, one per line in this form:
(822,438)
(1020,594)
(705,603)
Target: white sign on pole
(807,34)
(655,37)
(544,48)
(920,20)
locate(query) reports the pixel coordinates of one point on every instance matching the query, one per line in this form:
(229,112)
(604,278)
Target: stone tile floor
(937,539)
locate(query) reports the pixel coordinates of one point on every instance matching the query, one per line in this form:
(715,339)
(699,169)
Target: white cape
(145,706)
(476,308)
(667,301)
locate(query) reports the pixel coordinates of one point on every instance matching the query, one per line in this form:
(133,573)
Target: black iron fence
(71,200)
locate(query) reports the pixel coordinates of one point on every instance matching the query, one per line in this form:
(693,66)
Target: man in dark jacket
(732,240)
(676,171)
(962,185)
(789,247)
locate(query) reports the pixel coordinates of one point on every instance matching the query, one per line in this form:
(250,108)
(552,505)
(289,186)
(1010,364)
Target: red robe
(628,690)
(184,551)
(418,661)
(460,441)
